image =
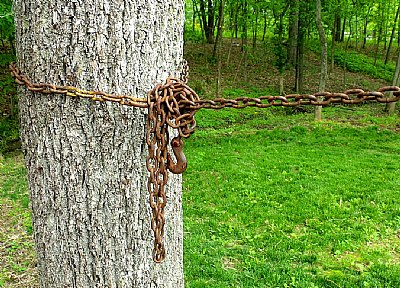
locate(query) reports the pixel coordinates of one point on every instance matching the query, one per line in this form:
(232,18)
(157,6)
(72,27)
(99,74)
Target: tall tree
(218,45)
(293,32)
(396,82)
(85,160)
(304,21)
(324,55)
(207,16)
(392,35)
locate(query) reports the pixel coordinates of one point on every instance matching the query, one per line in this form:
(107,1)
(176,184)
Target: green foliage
(6,59)
(9,124)
(193,36)
(358,63)
(280,53)
(6,21)
(9,134)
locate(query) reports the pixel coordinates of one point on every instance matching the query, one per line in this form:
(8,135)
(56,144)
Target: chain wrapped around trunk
(173,105)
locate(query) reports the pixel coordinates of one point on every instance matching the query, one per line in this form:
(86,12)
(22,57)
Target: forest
(276,197)
(358,36)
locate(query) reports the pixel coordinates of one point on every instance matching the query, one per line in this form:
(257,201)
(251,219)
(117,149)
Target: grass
(17,258)
(312,205)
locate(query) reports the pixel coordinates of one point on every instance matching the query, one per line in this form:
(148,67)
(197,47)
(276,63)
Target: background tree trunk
(324,56)
(293,32)
(299,80)
(218,46)
(396,82)
(86,160)
(392,35)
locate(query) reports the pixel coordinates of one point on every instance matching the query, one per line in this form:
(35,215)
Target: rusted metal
(174,105)
(181,164)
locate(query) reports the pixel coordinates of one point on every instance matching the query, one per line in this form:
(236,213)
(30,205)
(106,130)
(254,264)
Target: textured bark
(392,35)
(324,56)
(396,82)
(86,160)
(293,32)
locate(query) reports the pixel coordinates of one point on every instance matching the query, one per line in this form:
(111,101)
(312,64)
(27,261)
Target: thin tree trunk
(345,50)
(203,18)
(255,29)
(220,24)
(86,160)
(324,57)
(365,32)
(300,51)
(244,41)
(337,28)
(396,82)
(379,35)
(386,20)
(392,35)
(334,32)
(343,29)
(293,32)
(210,22)
(265,25)
(356,33)
(218,46)
(236,20)
(195,13)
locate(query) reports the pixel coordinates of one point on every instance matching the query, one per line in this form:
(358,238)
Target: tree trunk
(220,23)
(337,28)
(392,35)
(265,25)
(300,50)
(244,40)
(255,28)
(324,57)
(86,161)
(334,32)
(396,82)
(218,46)
(204,18)
(380,28)
(210,23)
(293,32)
(343,29)
(356,28)
(365,32)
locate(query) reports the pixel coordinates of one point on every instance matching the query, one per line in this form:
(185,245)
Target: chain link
(75,92)
(174,105)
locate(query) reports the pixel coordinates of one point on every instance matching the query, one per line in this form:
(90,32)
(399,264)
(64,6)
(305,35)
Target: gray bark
(392,35)
(324,56)
(293,32)
(396,82)
(85,160)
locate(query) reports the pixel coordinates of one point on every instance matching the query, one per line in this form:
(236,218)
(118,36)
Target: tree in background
(7,24)
(324,55)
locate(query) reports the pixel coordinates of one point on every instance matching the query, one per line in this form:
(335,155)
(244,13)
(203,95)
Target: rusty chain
(174,105)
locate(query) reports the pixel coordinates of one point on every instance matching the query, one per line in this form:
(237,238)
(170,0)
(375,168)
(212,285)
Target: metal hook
(181,163)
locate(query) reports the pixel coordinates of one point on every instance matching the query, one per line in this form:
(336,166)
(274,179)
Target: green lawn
(271,199)
(301,205)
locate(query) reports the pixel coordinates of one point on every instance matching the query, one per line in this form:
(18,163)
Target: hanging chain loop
(174,105)
(164,111)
